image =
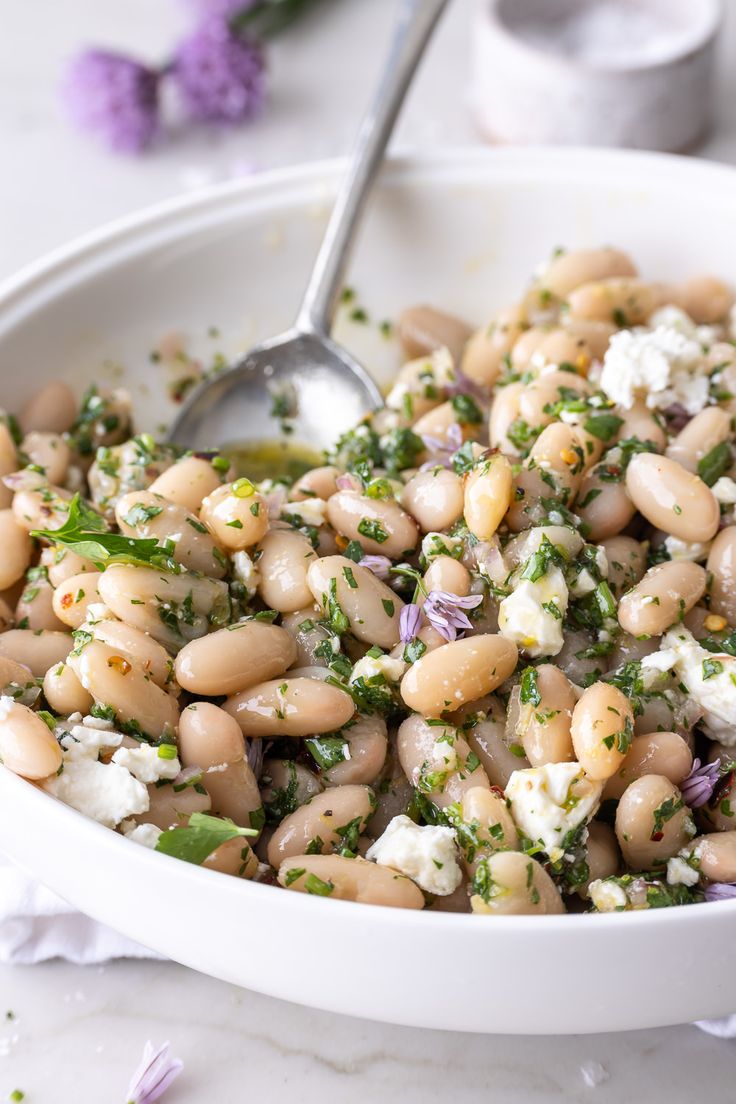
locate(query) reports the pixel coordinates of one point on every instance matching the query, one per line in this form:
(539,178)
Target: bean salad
(481,659)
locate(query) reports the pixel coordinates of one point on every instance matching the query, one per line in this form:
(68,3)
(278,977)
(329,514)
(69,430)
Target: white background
(78,1032)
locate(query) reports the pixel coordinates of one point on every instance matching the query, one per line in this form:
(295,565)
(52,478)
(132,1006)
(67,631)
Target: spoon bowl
(302,387)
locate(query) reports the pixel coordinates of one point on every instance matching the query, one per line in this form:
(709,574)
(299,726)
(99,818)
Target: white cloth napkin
(36,925)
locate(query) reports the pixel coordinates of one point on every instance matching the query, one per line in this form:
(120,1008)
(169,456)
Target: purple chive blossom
(448,444)
(155,1073)
(720,891)
(113,97)
(410,622)
(697,789)
(220,74)
(444,611)
(348,482)
(379,565)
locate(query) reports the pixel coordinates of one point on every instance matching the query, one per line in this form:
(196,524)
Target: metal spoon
(303,371)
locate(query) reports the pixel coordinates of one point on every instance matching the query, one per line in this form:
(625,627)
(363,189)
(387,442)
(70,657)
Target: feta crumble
(311,511)
(548,802)
(370,667)
(679,872)
(725,490)
(607,896)
(145,834)
(105,792)
(426,854)
(145,764)
(523,618)
(710,679)
(246,572)
(439,544)
(685,550)
(661,366)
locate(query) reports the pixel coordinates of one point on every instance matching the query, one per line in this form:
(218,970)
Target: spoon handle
(417,20)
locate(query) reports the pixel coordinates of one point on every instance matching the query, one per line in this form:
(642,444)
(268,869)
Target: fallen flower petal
(720,891)
(156,1072)
(379,565)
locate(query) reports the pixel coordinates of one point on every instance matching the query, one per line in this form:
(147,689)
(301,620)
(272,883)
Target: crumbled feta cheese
(145,834)
(311,511)
(145,764)
(369,667)
(246,572)
(710,679)
(676,319)
(601,561)
(84,742)
(654,666)
(581,584)
(662,366)
(607,896)
(105,792)
(548,802)
(437,369)
(725,490)
(426,854)
(679,872)
(685,550)
(523,618)
(439,544)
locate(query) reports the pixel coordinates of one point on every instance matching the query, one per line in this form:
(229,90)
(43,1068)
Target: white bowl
(462,230)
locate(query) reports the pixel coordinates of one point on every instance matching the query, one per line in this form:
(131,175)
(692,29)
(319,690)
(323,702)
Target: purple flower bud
(379,565)
(155,1073)
(410,622)
(720,891)
(697,788)
(220,74)
(444,611)
(113,97)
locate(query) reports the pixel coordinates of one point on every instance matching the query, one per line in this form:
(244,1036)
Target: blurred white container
(635,73)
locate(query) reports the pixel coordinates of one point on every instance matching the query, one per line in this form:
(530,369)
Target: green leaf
(203,835)
(328,751)
(86,533)
(529,691)
(603,426)
(713,465)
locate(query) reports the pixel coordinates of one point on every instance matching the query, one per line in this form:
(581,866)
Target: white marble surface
(79,1031)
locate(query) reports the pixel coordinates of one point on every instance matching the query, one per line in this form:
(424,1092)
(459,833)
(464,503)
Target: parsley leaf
(203,835)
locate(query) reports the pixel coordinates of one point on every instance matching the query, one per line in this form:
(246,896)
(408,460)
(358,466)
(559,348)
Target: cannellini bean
(51,410)
(627,562)
(563,346)
(8,463)
(520,548)
(236,515)
(519,886)
(10,671)
(662,598)
(350,880)
(557,450)
(647,828)
(46,507)
(317,483)
(137,646)
(717,855)
(142,514)
(624,300)
(35,650)
(504,411)
(35,608)
(663,753)
(721,568)
(434,759)
(639,421)
(544,726)
(233,857)
(485,733)
(61,563)
(484,353)
(546,390)
(596,335)
(456,673)
(211,739)
(285,785)
(371,608)
(64,692)
(573,662)
(706,299)
(73,598)
(444,573)
(172,608)
(434,499)
(719,815)
(123,684)
(234,658)
(602,729)
(671,498)
(187,483)
(284,556)
(171,806)
(367,742)
(605,507)
(707,429)
(423,329)
(487,814)
(27,746)
(437,423)
(50,452)
(487,494)
(569,270)
(324,823)
(526,345)
(15,550)
(628,648)
(290,707)
(603,856)
(380,525)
